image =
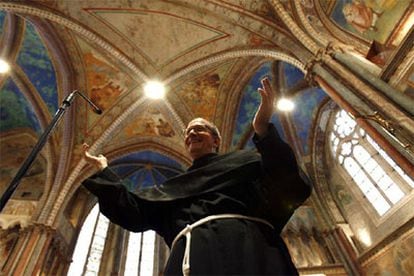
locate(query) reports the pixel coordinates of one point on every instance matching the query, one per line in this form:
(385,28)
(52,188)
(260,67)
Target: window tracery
(381,181)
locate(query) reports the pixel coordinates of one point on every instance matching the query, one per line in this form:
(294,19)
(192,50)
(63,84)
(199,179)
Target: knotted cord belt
(187,232)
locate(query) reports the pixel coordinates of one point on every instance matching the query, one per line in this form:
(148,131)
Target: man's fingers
(261,91)
(266,97)
(266,83)
(267,86)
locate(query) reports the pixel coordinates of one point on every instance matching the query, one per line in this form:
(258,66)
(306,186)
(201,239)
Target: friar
(224,215)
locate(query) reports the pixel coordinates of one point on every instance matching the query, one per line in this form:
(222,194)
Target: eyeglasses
(197,129)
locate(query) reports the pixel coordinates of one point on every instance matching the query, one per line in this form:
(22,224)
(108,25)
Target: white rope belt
(187,232)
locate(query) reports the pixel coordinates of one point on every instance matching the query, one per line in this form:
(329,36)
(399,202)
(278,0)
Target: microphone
(70,97)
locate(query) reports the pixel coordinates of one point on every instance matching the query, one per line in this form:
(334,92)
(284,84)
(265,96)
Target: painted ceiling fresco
(176,39)
(249,104)
(172,28)
(372,20)
(306,103)
(2,17)
(107,85)
(35,61)
(211,54)
(15,110)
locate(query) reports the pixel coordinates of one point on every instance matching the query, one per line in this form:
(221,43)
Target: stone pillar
(365,99)
(373,122)
(114,254)
(337,238)
(34,250)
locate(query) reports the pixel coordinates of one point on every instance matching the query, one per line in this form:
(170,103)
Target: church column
(355,106)
(358,67)
(337,239)
(31,254)
(381,118)
(113,256)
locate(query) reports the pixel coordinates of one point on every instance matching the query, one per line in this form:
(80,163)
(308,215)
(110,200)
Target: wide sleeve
(121,206)
(284,182)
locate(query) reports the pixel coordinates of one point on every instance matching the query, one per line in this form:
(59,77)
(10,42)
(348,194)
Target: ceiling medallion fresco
(373,20)
(149,123)
(106,83)
(171,36)
(201,94)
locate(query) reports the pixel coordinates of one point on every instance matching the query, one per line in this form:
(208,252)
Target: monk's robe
(265,183)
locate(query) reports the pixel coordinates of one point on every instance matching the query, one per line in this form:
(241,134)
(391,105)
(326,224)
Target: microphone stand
(39,145)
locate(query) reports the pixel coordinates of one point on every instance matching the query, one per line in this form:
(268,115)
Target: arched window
(91,242)
(140,254)
(381,181)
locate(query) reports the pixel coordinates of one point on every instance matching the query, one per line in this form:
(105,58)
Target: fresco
(2,17)
(173,30)
(201,94)
(148,123)
(396,260)
(410,82)
(15,110)
(101,79)
(34,60)
(15,147)
(145,169)
(305,240)
(259,7)
(369,19)
(105,82)
(249,103)
(307,103)
(342,194)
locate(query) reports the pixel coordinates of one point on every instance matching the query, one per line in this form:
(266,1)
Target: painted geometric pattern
(34,59)
(15,111)
(145,169)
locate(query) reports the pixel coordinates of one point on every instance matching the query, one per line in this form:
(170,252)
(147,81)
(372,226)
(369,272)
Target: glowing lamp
(154,90)
(4,66)
(284,104)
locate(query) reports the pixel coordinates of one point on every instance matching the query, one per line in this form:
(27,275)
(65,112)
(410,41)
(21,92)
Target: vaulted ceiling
(210,54)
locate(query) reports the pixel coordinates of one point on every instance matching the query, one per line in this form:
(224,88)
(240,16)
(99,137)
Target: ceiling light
(4,66)
(285,105)
(154,90)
